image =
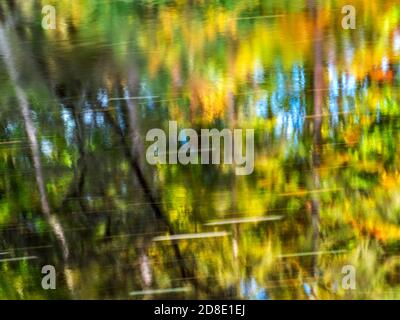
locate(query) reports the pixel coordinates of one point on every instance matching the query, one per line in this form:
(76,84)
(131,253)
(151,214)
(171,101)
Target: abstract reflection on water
(76,191)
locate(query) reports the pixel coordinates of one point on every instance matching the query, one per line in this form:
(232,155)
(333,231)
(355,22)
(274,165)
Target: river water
(319,214)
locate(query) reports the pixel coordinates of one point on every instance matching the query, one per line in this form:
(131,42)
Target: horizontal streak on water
(10,142)
(19,259)
(133,98)
(243,220)
(189,236)
(126,235)
(312,253)
(159,291)
(33,247)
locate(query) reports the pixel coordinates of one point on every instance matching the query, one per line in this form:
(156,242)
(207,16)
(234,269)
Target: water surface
(77,193)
